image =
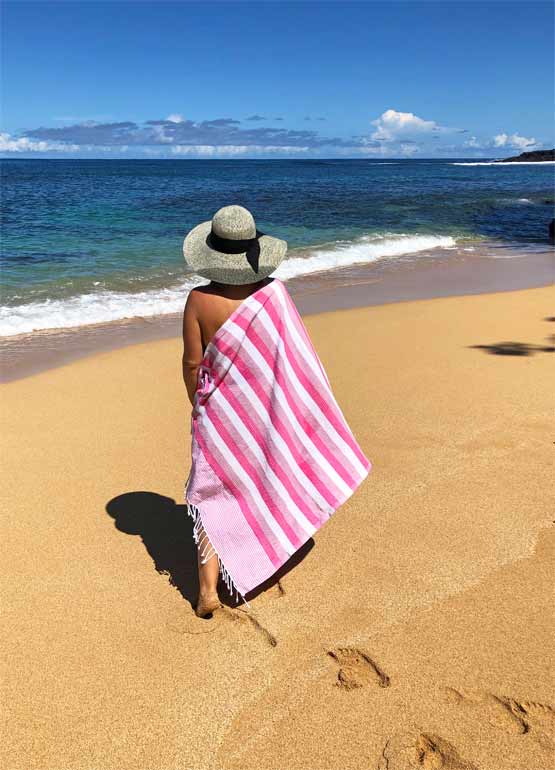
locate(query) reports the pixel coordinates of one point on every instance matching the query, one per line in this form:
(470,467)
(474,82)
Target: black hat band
(250,246)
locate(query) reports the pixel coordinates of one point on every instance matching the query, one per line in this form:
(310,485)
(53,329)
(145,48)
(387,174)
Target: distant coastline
(535,156)
(525,157)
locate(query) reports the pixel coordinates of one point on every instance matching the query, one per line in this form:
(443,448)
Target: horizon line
(379,160)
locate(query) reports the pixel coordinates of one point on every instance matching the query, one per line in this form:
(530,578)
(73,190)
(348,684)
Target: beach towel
(272,455)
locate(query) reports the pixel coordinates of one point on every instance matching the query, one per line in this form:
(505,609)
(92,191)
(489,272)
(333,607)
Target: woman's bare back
(217,302)
(206,310)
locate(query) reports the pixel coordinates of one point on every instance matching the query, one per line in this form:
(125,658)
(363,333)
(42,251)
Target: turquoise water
(94,240)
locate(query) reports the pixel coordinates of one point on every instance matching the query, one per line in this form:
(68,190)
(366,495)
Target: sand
(462,270)
(415,630)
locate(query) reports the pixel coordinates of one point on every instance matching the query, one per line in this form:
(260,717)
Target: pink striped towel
(272,455)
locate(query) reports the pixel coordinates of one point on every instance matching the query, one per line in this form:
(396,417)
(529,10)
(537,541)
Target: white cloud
(194,149)
(23,144)
(473,142)
(385,150)
(101,148)
(232,149)
(515,140)
(369,150)
(161,136)
(393,125)
(175,117)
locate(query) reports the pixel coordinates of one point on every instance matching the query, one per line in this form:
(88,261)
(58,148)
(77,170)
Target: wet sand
(482,268)
(415,631)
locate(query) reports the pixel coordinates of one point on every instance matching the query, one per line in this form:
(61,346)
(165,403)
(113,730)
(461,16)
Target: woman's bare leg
(208,573)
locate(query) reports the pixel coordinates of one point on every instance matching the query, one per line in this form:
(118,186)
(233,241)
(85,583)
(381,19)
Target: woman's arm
(192,344)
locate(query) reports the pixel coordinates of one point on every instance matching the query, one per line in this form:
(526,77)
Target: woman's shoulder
(225,292)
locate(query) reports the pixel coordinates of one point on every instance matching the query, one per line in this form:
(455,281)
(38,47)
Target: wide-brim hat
(229,249)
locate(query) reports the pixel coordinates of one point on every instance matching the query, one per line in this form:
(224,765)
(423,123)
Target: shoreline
(462,271)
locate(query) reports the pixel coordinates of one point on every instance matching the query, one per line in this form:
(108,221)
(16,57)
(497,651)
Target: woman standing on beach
(272,455)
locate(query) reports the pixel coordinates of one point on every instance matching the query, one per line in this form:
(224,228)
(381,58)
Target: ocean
(91,241)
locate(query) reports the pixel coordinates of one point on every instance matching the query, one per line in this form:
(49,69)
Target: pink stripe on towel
(273,457)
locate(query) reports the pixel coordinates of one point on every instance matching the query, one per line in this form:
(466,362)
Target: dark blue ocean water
(94,240)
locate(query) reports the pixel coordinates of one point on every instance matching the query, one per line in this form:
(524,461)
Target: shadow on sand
(519,348)
(515,349)
(167,534)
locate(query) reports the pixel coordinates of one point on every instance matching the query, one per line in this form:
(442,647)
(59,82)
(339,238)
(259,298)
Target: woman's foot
(207,604)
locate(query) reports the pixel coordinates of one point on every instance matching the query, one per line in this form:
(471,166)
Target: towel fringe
(207,550)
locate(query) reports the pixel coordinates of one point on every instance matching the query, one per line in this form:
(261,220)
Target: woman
(272,455)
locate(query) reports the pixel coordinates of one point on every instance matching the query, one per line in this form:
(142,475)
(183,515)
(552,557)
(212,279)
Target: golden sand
(415,633)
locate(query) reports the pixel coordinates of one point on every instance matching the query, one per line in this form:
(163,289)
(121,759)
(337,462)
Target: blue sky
(276,79)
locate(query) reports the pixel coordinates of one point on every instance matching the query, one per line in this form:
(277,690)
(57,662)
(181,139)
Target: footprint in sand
(248,618)
(518,717)
(275,591)
(416,749)
(357,669)
(191,625)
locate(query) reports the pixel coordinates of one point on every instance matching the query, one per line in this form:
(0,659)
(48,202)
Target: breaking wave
(105,306)
(507,163)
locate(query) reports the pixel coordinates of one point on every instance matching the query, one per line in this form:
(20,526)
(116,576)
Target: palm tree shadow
(519,348)
(166,531)
(167,534)
(514,348)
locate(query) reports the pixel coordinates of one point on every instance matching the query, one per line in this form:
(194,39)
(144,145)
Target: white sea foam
(364,250)
(105,306)
(515,201)
(508,163)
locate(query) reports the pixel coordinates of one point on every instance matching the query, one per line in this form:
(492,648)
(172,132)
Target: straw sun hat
(229,249)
